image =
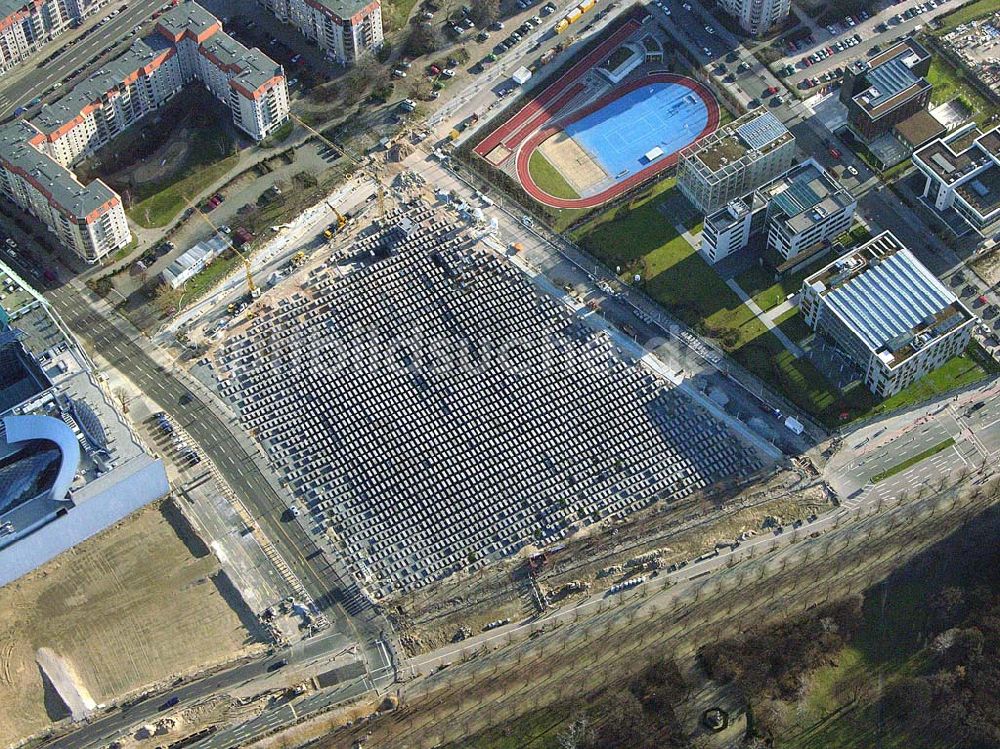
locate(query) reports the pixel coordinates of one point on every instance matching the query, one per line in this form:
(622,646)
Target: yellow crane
(341,221)
(251,286)
(380,188)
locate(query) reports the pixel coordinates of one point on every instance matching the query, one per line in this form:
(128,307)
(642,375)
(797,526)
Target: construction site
(139,605)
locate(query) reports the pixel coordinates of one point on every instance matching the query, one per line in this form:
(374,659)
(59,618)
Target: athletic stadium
(612,121)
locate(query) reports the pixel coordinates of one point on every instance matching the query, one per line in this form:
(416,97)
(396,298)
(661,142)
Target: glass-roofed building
(70,465)
(797,213)
(888,313)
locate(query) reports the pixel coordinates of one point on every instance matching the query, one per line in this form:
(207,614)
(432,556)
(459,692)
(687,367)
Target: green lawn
(759,283)
(792,325)
(641,240)
(159,209)
(548,177)
(955,373)
(889,645)
(948,85)
(967,13)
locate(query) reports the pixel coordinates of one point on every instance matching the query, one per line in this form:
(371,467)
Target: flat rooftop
(891,78)
(955,156)
(919,128)
(753,133)
(805,195)
(982,191)
(883,294)
(44,373)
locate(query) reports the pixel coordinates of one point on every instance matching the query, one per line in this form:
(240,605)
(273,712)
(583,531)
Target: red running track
(547,113)
(626,184)
(533,107)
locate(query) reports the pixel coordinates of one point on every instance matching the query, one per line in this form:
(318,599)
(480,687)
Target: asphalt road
(112,725)
(332,593)
(19,88)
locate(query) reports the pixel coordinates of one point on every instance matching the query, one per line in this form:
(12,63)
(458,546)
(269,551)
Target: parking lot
(820,57)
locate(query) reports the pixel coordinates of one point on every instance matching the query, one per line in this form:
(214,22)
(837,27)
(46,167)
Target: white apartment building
(803,208)
(962,173)
(189,46)
(888,313)
(344,29)
(734,160)
(757,17)
(25,25)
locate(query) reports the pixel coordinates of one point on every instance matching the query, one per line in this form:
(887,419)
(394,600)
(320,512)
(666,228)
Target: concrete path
(765,318)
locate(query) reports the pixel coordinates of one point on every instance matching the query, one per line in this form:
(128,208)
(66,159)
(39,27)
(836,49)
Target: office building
(887,313)
(730,229)
(734,160)
(962,174)
(883,91)
(188,46)
(757,17)
(805,206)
(344,29)
(802,209)
(70,465)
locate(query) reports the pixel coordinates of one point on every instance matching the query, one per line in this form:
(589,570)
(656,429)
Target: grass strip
(900,467)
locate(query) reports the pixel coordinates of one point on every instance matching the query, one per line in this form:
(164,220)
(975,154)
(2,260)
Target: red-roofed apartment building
(189,45)
(25,25)
(344,29)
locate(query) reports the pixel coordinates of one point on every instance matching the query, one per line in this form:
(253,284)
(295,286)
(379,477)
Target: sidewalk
(765,318)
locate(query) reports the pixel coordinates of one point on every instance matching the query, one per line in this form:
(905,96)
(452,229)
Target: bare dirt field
(132,606)
(571,161)
(987,266)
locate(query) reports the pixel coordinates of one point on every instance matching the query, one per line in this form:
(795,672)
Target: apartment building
(734,160)
(189,45)
(757,17)
(884,90)
(344,29)
(962,173)
(800,210)
(888,313)
(25,25)
(90,220)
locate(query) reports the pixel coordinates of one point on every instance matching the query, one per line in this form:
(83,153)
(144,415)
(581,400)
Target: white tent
(521,76)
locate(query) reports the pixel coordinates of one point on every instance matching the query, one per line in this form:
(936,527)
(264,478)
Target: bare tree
(122,397)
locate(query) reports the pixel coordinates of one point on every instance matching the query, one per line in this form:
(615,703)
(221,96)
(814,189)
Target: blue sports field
(668,115)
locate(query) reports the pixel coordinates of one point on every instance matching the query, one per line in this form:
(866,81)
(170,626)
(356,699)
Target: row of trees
(639,715)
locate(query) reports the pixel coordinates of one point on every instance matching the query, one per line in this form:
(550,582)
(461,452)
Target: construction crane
(251,286)
(370,173)
(341,221)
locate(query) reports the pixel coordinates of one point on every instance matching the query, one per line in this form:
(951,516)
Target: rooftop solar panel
(889,299)
(761,131)
(889,79)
